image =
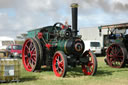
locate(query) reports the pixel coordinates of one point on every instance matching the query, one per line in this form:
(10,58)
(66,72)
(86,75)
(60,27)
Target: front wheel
(89,68)
(59,64)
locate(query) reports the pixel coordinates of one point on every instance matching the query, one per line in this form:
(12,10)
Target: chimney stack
(74,7)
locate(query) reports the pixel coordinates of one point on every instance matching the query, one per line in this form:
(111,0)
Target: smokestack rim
(74,5)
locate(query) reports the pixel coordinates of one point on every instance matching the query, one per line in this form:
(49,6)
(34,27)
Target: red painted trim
(40,35)
(62,26)
(48,46)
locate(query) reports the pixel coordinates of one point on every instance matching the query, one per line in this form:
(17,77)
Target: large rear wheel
(40,46)
(116,55)
(60,64)
(30,53)
(90,68)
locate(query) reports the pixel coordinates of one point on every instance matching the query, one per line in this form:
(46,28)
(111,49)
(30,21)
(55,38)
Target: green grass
(105,76)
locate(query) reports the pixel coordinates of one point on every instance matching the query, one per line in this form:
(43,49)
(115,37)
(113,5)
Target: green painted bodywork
(46,30)
(61,45)
(32,33)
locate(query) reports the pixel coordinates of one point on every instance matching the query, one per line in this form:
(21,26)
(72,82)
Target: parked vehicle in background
(16,50)
(93,45)
(5,41)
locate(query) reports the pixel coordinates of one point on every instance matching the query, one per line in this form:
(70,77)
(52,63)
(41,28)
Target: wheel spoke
(88,69)
(61,62)
(33,54)
(57,69)
(57,59)
(34,57)
(91,69)
(118,51)
(32,49)
(115,50)
(111,48)
(61,69)
(30,63)
(113,53)
(33,61)
(110,56)
(27,47)
(30,45)
(90,63)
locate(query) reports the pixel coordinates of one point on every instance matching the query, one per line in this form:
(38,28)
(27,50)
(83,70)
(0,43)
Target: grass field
(105,76)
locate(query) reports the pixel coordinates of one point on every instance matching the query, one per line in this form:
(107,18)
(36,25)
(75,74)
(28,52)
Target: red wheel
(60,64)
(30,55)
(116,55)
(89,68)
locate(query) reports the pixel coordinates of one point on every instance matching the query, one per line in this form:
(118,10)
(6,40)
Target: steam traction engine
(116,53)
(58,46)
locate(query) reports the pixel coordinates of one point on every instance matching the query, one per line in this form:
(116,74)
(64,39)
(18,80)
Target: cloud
(109,6)
(31,14)
(8,3)
(112,6)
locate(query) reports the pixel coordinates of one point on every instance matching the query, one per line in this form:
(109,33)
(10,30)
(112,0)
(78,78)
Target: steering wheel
(58,24)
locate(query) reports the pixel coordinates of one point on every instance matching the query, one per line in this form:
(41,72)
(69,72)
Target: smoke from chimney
(109,6)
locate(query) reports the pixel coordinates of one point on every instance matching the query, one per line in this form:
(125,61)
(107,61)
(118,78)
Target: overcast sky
(19,16)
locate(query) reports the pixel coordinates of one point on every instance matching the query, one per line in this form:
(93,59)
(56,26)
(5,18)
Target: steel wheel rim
(58,65)
(40,53)
(29,55)
(115,56)
(89,68)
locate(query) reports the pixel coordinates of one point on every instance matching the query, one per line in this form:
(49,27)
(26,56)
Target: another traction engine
(117,50)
